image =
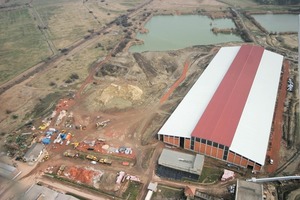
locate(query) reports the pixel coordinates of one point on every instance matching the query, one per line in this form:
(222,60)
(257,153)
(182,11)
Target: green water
(278,22)
(176,32)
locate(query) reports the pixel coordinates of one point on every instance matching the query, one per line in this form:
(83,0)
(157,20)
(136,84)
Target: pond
(278,22)
(176,32)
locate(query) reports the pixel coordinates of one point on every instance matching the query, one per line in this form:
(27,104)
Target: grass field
(210,175)
(66,22)
(21,43)
(166,192)
(78,63)
(133,190)
(69,21)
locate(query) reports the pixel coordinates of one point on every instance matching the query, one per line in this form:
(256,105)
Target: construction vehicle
(105,161)
(75,144)
(91,157)
(102,124)
(69,154)
(46,157)
(61,169)
(43,126)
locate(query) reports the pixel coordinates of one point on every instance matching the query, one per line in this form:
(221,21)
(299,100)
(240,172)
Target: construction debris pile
(122,176)
(100,146)
(83,175)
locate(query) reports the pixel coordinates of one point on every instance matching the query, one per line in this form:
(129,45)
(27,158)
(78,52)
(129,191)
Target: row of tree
(279,2)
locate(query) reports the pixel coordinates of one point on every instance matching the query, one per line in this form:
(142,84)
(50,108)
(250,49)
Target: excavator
(75,144)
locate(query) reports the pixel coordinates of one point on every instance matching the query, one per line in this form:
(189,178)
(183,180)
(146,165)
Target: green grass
(133,190)
(210,175)
(22,45)
(166,192)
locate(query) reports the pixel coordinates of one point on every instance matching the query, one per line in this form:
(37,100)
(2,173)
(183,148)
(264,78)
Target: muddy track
(145,65)
(285,165)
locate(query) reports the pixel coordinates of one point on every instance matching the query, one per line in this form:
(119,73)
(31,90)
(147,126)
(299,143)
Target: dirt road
(274,145)
(66,188)
(177,83)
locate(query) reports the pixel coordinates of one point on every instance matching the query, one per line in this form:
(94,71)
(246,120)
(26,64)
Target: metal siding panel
(184,118)
(252,135)
(220,119)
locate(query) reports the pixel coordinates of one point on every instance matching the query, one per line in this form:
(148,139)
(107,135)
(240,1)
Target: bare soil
(135,92)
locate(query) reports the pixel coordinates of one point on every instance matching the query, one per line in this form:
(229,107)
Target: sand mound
(118,96)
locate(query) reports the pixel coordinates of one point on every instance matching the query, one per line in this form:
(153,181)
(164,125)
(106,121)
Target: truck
(69,154)
(105,161)
(91,157)
(61,169)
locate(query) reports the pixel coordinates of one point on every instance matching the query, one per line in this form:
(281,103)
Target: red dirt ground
(176,84)
(82,175)
(98,149)
(275,137)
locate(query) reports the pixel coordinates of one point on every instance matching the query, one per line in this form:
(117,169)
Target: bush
(68,81)
(14,116)
(74,76)
(52,83)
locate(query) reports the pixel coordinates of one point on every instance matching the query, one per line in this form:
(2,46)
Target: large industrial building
(228,113)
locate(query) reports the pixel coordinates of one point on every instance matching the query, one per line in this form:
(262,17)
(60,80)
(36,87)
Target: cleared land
(99,80)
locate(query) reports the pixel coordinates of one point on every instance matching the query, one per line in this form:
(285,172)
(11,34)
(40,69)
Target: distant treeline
(279,2)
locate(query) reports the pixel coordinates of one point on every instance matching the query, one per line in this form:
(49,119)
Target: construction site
(100,122)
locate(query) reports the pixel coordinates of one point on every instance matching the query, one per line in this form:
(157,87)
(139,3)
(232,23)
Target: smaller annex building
(228,112)
(8,171)
(34,152)
(248,191)
(36,192)
(178,165)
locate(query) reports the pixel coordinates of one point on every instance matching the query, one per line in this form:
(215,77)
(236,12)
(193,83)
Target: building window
(203,141)
(197,139)
(215,144)
(192,144)
(221,146)
(209,142)
(225,155)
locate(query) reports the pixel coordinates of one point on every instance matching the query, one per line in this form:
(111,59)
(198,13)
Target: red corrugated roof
(220,119)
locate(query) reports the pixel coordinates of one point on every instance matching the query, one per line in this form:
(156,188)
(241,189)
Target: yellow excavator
(75,144)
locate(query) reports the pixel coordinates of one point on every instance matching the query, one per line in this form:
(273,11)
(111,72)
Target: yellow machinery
(91,157)
(75,144)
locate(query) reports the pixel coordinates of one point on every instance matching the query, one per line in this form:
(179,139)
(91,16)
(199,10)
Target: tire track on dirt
(177,83)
